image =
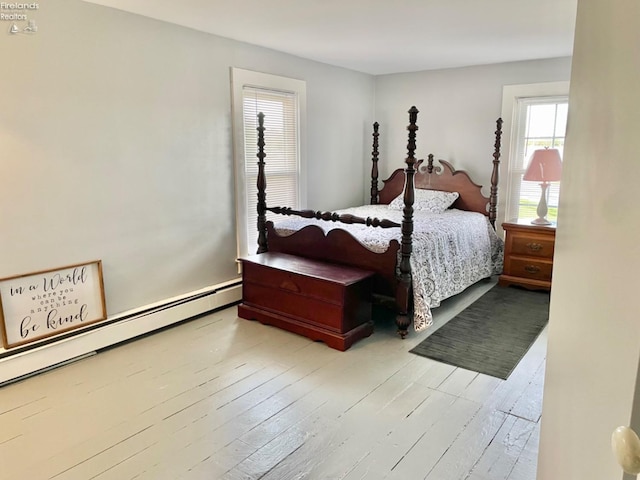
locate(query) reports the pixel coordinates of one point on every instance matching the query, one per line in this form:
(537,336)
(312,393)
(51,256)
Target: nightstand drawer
(532,246)
(528,254)
(528,268)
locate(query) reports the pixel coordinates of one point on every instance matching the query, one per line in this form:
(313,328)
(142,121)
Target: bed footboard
(338,246)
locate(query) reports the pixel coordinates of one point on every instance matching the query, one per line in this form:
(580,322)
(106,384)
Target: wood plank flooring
(224,398)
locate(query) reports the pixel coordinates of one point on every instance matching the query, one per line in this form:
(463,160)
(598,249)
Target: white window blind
(283,102)
(539,122)
(281,148)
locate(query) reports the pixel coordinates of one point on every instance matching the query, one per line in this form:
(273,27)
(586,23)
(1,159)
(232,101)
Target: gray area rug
(492,334)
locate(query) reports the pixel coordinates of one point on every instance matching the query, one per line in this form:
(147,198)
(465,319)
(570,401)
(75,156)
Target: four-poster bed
(392,229)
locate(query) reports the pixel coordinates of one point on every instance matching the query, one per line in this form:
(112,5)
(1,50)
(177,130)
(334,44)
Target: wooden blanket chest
(322,301)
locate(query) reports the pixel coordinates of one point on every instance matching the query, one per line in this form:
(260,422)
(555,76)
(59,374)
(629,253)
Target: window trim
(510,96)
(239,79)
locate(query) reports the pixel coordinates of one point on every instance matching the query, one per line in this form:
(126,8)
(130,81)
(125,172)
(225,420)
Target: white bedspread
(451,251)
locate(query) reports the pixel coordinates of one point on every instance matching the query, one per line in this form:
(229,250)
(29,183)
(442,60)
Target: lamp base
(542,207)
(541,221)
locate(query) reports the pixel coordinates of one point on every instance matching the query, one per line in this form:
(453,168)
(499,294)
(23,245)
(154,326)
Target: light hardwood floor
(223,398)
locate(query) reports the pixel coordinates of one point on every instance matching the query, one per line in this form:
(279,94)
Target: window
(541,122)
(537,116)
(282,102)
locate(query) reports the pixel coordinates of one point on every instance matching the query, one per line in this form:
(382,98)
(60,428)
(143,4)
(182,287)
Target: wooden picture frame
(43,304)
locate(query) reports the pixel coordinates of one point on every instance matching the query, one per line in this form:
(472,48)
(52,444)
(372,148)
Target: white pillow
(433,201)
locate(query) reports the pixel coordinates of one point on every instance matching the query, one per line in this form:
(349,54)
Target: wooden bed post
(430,165)
(493,196)
(374,166)
(262,187)
(403,293)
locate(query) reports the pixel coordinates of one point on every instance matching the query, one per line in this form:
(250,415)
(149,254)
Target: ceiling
(381,36)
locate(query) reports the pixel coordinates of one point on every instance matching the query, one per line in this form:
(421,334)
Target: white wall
(594,328)
(458,109)
(116,145)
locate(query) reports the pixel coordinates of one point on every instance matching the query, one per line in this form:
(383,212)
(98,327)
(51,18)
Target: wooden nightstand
(528,254)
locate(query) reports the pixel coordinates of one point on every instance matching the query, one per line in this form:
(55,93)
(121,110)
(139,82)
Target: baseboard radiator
(16,364)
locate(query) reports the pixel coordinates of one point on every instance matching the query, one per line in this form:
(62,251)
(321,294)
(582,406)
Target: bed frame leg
(403,289)
(403,306)
(403,321)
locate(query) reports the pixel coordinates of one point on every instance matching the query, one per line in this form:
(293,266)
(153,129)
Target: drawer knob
(532,268)
(534,247)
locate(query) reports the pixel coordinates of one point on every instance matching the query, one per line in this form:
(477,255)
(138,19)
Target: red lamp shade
(544,166)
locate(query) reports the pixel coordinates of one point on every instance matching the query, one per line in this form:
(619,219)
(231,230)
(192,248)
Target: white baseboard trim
(119,328)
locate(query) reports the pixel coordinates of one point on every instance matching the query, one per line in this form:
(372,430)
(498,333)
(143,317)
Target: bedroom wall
(453,101)
(116,145)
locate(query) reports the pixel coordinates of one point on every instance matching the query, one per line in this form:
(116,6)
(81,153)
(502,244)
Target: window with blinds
(283,102)
(281,149)
(539,122)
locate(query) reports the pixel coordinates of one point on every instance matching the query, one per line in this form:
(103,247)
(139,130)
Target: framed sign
(43,304)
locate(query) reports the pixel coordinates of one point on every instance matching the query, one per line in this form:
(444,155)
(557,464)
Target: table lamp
(545,166)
